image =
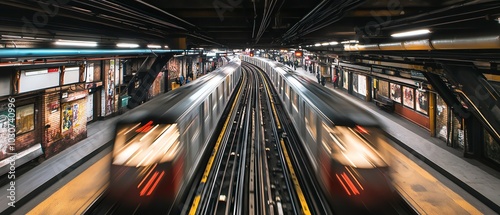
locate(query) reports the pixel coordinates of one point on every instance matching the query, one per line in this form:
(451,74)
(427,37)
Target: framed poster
(355,82)
(362,85)
(396,92)
(345,79)
(422,102)
(408,97)
(383,88)
(25,118)
(6,122)
(67,117)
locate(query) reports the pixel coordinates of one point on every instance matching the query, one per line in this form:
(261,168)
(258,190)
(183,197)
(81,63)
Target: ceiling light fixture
(324,44)
(11,36)
(349,41)
(317,44)
(411,33)
(76,43)
(127,45)
(154,46)
(334,43)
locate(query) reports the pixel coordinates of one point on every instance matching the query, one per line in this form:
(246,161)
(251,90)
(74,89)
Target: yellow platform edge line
(206,173)
(302,199)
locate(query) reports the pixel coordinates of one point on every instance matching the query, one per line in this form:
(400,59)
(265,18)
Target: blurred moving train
(159,144)
(340,139)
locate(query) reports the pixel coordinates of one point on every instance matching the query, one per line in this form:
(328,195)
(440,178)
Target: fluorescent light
(166,47)
(324,44)
(317,44)
(11,36)
(411,33)
(76,43)
(349,41)
(334,43)
(154,46)
(127,45)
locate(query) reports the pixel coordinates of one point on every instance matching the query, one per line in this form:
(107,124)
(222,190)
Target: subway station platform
(472,176)
(476,178)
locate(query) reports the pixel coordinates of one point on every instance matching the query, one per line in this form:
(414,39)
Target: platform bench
(384,103)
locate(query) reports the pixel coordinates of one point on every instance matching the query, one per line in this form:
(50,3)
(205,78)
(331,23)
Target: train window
(221,91)
(282,84)
(326,139)
(206,109)
(228,86)
(277,81)
(287,92)
(193,129)
(310,120)
(213,97)
(295,101)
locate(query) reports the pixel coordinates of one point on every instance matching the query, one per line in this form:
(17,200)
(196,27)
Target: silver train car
(159,145)
(340,139)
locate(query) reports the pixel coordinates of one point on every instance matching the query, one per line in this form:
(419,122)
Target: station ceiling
(239,23)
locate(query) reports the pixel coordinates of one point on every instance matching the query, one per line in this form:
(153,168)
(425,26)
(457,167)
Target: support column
(432,114)
(480,97)
(368,89)
(178,43)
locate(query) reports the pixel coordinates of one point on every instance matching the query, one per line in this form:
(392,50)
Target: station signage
(41,71)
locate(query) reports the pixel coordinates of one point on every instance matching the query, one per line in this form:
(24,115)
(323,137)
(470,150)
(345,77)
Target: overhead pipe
(337,11)
(144,17)
(266,18)
(435,22)
(61,61)
(254,19)
(482,42)
(71,15)
(16,53)
(166,13)
(427,14)
(314,10)
(128,13)
(326,16)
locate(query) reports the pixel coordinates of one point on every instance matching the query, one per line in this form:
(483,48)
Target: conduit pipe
(482,42)
(16,53)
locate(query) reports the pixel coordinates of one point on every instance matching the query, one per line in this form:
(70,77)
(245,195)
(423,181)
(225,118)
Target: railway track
(248,172)
(257,165)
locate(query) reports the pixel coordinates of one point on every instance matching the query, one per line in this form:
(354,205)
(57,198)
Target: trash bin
(124,101)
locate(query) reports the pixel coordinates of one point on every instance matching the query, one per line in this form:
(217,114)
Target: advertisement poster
(90,107)
(345,80)
(67,114)
(408,95)
(25,118)
(396,92)
(75,114)
(362,85)
(383,88)
(355,82)
(5,123)
(109,89)
(173,68)
(422,102)
(90,72)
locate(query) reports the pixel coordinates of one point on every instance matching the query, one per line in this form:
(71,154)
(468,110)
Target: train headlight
(350,149)
(145,144)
